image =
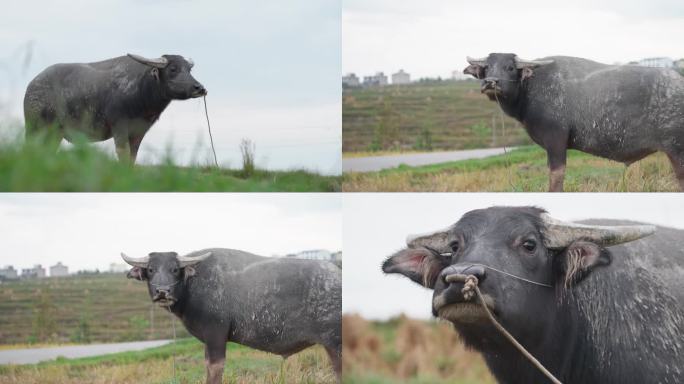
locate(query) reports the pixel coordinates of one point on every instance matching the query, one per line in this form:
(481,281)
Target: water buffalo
(598,302)
(278,305)
(120,98)
(619,112)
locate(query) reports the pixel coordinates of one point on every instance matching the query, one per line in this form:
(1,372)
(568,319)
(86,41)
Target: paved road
(35,355)
(376,163)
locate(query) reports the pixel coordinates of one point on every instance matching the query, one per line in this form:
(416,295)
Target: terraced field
(424,116)
(102,308)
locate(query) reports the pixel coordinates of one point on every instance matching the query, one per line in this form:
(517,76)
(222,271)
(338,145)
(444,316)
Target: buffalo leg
(678,168)
(556,160)
(123,148)
(214,358)
(134,144)
(335,355)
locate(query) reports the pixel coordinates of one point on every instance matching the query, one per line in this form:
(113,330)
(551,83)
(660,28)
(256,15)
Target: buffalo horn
(520,63)
(161,62)
(136,262)
(192,260)
(481,62)
(559,234)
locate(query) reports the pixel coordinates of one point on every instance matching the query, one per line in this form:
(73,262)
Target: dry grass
(407,350)
(527,173)
(243,366)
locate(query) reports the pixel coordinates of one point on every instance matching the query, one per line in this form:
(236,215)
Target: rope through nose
(471,289)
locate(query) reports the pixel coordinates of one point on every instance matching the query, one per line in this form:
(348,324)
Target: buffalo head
(165,272)
(521,256)
(173,74)
(502,74)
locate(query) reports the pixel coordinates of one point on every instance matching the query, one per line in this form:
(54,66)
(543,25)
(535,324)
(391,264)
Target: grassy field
(78,309)
(28,168)
(404,350)
(434,115)
(521,170)
(243,366)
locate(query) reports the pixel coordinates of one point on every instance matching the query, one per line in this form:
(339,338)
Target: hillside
(424,116)
(90,308)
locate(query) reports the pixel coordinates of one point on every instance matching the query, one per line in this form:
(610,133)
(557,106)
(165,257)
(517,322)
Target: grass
(154,366)
(76,309)
(430,115)
(404,350)
(521,170)
(32,168)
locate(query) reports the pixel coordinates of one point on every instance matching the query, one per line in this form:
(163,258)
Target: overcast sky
(88,231)
(376,225)
(272,69)
(431,38)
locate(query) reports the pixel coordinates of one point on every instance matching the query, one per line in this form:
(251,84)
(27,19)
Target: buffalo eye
(454,245)
(174,270)
(530,245)
(510,68)
(150,270)
(173,69)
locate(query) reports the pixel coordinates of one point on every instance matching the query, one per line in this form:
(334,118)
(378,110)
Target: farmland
(423,116)
(404,350)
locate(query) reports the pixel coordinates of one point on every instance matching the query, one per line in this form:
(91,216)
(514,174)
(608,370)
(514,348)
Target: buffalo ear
(137,273)
(155,73)
(579,259)
(189,272)
(420,265)
(526,73)
(477,71)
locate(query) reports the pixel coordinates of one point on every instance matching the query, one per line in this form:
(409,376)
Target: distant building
(118,267)
(37,272)
(656,62)
(350,80)
(401,77)
(59,269)
(379,79)
(679,64)
(336,256)
(8,273)
(314,254)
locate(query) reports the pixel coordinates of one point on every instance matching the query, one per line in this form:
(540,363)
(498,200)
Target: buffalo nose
(464,270)
(161,291)
(199,88)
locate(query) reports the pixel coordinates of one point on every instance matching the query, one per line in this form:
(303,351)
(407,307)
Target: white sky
(272,70)
(432,38)
(88,231)
(376,225)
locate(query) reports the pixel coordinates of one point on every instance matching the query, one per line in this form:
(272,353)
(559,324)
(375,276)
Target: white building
(657,62)
(401,77)
(679,63)
(350,80)
(36,272)
(8,273)
(379,79)
(59,269)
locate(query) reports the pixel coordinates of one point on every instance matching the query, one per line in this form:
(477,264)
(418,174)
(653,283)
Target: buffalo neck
(153,100)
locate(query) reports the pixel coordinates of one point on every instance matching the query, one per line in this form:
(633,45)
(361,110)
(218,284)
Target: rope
(173,349)
(449,278)
(470,289)
(503,136)
(211,138)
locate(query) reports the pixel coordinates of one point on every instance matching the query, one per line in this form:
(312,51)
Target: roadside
(377,163)
(36,355)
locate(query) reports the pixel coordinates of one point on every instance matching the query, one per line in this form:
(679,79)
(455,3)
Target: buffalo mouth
(462,311)
(492,93)
(200,93)
(164,301)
